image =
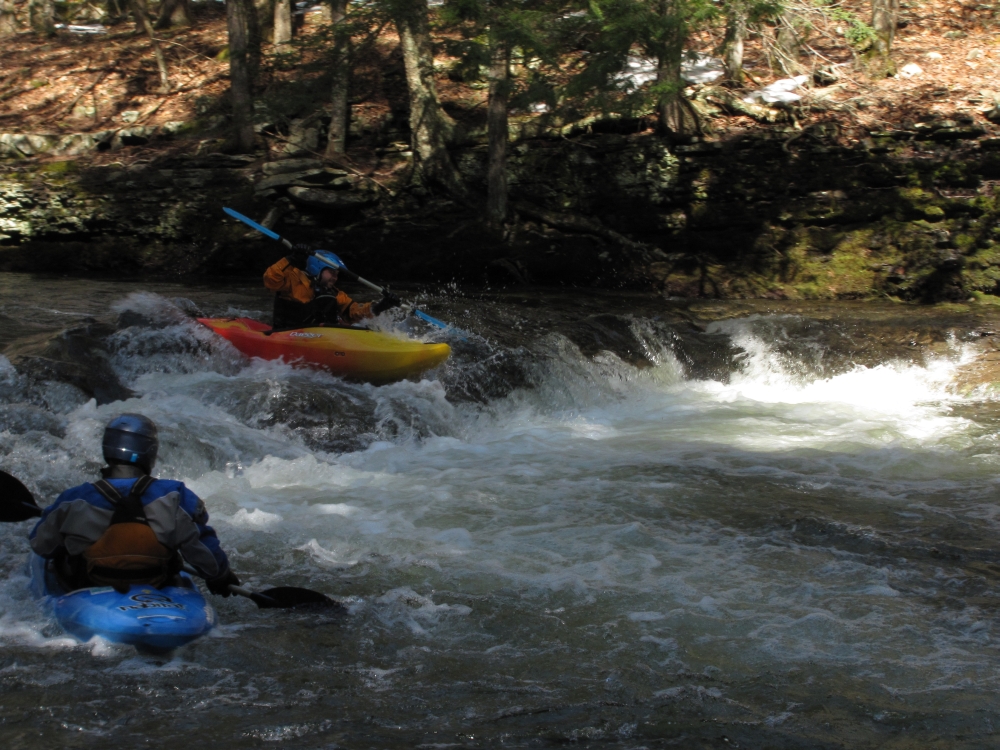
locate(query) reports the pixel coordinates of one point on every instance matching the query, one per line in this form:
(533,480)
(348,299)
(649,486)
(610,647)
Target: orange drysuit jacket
(292,284)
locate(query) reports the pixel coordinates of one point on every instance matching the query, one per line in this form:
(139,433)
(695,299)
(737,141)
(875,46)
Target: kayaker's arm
(354,312)
(351,311)
(47,537)
(285,279)
(197,542)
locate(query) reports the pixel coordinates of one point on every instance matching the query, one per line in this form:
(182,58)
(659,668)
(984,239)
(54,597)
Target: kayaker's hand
(299,255)
(388,301)
(221,583)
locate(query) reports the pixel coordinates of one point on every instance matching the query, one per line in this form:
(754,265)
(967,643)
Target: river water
(610,519)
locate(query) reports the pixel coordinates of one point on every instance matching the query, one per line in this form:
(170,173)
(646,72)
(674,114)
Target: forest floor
(91,82)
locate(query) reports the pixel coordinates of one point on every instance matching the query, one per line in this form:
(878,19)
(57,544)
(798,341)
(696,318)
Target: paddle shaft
(242,591)
(282,597)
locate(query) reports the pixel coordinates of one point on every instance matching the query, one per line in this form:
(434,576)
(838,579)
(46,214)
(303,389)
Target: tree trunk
(116,11)
(237,22)
(732,44)
(265,13)
(282,21)
(497,134)
(340,68)
(676,116)
(431,129)
(8,18)
(41,17)
(789,42)
(142,20)
(885,16)
(255,39)
(174,13)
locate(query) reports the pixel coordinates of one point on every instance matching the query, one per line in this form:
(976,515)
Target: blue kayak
(157,619)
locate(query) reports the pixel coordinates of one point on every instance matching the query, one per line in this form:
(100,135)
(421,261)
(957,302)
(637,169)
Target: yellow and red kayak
(353,353)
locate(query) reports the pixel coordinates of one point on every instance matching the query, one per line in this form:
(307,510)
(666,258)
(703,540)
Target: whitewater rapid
(800,544)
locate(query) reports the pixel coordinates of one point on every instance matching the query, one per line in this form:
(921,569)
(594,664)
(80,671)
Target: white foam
(636,500)
(256,519)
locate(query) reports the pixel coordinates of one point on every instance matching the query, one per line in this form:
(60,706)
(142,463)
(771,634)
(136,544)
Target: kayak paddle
(282,597)
(288,597)
(16,502)
(343,269)
(251,223)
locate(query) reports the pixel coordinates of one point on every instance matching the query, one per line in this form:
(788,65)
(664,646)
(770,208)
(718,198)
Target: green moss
(985,258)
(954,174)
(964,242)
(933,213)
(986,299)
(59,167)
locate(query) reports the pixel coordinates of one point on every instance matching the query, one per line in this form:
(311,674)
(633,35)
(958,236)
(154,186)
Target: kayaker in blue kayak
(306,293)
(129,528)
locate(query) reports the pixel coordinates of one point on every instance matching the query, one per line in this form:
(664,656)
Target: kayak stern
(146,617)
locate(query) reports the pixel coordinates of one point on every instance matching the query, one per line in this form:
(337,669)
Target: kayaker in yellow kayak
(306,293)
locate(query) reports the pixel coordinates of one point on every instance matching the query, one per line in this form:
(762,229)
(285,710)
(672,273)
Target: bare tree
(264,12)
(142,21)
(885,17)
(340,109)
(173,13)
(41,17)
(431,129)
(115,10)
(497,134)
(789,42)
(238,20)
(282,21)
(8,18)
(732,43)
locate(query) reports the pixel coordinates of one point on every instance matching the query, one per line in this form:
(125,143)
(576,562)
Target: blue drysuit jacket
(177,516)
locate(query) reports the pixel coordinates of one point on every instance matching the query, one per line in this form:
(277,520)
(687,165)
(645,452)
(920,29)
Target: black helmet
(131,439)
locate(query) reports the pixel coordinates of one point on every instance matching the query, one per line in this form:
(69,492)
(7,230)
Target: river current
(611,519)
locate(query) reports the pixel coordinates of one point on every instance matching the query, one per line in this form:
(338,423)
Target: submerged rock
(77,356)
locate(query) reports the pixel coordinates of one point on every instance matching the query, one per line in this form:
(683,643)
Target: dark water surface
(611,520)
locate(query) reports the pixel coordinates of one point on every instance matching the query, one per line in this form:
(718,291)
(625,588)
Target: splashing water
(626,529)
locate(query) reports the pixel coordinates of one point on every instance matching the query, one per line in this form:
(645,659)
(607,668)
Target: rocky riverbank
(909,213)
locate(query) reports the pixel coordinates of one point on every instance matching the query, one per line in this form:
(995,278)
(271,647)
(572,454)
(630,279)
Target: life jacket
(128,552)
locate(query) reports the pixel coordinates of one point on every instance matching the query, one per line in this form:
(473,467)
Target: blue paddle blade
(251,223)
(428,319)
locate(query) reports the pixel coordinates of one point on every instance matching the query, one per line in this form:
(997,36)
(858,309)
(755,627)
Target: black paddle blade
(292,597)
(16,502)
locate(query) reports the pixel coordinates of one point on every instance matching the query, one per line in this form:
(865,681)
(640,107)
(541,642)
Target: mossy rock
(59,167)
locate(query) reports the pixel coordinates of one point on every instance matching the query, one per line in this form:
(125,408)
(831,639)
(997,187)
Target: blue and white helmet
(131,439)
(321,259)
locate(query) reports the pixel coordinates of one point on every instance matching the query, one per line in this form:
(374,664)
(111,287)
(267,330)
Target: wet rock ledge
(910,213)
